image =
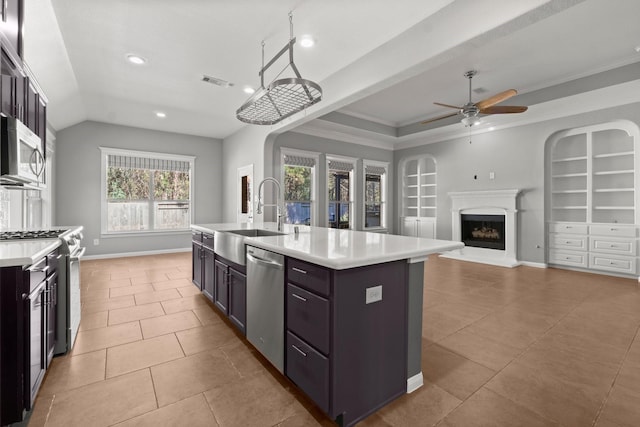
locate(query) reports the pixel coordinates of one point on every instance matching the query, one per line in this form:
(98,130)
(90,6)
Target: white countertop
(338,249)
(25,252)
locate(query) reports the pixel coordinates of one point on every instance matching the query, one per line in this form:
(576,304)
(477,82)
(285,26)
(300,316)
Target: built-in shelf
(568,207)
(619,154)
(428,174)
(418,202)
(609,208)
(428,185)
(569,175)
(569,159)
(568,191)
(615,172)
(412,186)
(614,190)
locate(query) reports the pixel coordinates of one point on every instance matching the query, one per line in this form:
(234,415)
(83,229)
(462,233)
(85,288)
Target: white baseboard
(131,254)
(415,382)
(534,264)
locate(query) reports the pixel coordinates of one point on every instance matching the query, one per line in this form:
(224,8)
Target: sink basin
(229,244)
(257,232)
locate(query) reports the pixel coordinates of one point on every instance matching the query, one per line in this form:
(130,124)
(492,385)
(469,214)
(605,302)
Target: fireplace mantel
(486,202)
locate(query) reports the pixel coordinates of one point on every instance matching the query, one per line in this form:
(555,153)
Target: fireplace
(486,222)
(483,231)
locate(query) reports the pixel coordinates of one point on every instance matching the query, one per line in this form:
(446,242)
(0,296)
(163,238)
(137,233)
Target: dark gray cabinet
(231,291)
(345,348)
(197,253)
(208,275)
(202,263)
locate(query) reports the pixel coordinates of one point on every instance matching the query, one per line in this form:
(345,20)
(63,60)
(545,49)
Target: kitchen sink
(229,244)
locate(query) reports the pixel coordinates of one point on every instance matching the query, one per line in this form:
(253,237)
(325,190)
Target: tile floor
(501,347)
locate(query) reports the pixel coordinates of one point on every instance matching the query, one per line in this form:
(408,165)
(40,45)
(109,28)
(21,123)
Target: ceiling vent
(216,81)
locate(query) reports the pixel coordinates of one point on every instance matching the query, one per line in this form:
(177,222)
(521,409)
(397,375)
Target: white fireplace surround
(487,202)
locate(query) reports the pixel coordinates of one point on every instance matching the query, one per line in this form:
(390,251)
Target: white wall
(77,181)
(516,155)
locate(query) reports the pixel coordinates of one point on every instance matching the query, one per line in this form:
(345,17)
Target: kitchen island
(352,308)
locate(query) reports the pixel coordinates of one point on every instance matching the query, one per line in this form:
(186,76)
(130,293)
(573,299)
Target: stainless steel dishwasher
(265,304)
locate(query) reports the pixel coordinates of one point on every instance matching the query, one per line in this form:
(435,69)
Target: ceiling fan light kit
(470,111)
(282,97)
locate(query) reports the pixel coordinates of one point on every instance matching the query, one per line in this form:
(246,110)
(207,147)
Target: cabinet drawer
(568,241)
(612,245)
(613,230)
(309,276)
(196,236)
(619,264)
(568,228)
(575,259)
(207,240)
(309,370)
(308,317)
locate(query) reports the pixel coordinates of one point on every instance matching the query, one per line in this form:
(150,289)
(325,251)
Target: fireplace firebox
(483,231)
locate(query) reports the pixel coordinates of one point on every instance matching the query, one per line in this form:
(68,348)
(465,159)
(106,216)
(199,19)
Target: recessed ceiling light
(638,48)
(135,59)
(161,115)
(307,41)
(492,128)
(248,90)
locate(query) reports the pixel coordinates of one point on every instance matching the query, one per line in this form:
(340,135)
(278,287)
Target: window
(375,175)
(340,189)
(145,192)
(298,186)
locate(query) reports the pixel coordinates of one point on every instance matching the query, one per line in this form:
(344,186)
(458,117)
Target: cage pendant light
(283,97)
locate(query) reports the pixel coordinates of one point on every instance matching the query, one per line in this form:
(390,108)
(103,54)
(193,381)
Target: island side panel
(414,327)
(369,340)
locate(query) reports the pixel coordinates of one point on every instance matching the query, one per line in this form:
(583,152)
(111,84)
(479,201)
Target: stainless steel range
(68,316)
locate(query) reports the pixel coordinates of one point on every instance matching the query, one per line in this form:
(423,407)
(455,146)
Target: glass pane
(297,213)
(373,215)
(372,189)
(333,219)
(344,216)
(127,216)
(297,183)
(170,185)
(127,184)
(170,215)
(338,186)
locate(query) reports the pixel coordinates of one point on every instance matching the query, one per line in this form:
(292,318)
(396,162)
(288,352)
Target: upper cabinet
(11,13)
(594,174)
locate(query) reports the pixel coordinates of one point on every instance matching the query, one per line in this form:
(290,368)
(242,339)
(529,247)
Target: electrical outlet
(492,175)
(374,294)
(96,242)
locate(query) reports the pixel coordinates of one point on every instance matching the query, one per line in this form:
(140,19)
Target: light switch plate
(374,294)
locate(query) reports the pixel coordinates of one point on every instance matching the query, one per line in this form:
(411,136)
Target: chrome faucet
(278,200)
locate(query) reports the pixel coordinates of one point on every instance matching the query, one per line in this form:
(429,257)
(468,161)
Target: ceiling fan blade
(503,109)
(447,105)
(439,118)
(495,99)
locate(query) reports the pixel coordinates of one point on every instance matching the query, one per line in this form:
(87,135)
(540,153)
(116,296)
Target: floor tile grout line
(615,378)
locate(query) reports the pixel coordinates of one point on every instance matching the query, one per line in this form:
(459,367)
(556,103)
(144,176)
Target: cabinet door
(19,98)
(6,95)
(41,120)
(221,295)
(426,228)
(238,299)
(51,303)
(196,264)
(408,227)
(11,23)
(31,106)
(208,276)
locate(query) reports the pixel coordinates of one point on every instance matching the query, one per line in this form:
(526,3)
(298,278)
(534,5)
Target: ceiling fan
(471,110)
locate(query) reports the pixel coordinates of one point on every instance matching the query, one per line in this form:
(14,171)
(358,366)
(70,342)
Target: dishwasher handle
(264,262)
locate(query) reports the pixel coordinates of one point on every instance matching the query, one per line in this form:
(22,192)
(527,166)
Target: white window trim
(104,154)
(383,193)
(314,176)
(352,179)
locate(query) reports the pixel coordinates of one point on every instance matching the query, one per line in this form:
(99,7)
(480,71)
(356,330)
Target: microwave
(21,157)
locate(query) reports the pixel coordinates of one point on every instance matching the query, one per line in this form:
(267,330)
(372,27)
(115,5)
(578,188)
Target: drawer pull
(568,227)
(567,242)
(614,229)
(299,351)
(298,270)
(299,297)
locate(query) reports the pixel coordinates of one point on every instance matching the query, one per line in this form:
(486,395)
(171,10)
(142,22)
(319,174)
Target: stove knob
(79,235)
(71,241)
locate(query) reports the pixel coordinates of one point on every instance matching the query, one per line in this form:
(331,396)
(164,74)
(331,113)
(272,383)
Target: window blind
(293,160)
(130,162)
(374,170)
(336,165)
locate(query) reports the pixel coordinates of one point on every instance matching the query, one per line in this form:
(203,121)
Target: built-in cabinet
(593,177)
(418,207)
(222,281)
(28,313)
(344,345)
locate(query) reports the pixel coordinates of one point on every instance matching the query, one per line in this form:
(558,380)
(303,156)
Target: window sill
(145,233)
(376,229)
